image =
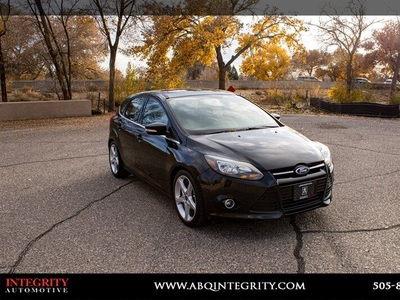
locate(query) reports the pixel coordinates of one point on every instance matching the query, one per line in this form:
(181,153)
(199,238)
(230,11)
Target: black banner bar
(210,7)
(199,286)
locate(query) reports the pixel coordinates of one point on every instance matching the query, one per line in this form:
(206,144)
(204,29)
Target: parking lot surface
(62,211)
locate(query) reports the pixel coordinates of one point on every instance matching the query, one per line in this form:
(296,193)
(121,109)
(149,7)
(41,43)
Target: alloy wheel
(114,159)
(185,198)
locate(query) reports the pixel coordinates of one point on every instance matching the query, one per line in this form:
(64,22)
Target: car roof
(176,93)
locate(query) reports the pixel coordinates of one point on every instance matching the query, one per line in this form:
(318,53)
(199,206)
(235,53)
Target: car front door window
(154,113)
(132,110)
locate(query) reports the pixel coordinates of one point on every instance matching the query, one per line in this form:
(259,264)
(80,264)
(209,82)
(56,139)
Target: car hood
(267,149)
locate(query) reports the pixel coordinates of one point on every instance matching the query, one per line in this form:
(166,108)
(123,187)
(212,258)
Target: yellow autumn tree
(174,42)
(268,62)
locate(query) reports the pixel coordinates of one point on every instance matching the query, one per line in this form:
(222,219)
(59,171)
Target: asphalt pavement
(62,211)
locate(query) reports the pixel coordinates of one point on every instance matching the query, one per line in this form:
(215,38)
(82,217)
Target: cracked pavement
(61,210)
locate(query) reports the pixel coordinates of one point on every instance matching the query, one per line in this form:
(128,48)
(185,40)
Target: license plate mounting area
(304,191)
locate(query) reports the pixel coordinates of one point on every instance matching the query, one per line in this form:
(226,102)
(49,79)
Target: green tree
(233,73)
(128,85)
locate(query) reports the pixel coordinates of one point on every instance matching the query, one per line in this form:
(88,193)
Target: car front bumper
(267,198)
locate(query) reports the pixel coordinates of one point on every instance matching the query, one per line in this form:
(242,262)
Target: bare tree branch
(345,32)
(113,26)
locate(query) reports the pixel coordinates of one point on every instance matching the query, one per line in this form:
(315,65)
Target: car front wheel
(116,163)
(188,200)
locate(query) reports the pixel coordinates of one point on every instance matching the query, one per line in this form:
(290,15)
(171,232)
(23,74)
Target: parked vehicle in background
(218,155)
(361,80)
(308,78)
(389,81)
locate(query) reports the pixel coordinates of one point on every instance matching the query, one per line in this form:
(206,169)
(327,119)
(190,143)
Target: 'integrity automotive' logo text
(36,285)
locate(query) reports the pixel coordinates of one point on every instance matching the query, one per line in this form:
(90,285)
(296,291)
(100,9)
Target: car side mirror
(156,129)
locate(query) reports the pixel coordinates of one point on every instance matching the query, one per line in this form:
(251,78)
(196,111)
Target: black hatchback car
(218,155)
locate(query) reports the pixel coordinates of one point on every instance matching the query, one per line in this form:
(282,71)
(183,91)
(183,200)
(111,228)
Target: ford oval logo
(302,170)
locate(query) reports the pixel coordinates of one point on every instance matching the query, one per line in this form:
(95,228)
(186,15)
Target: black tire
(188,200)
(116,163)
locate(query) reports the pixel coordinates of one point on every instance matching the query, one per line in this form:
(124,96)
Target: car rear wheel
(116,163)
(188,200)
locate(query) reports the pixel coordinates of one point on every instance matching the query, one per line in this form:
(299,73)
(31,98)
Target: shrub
(26,94)
(275,96)
(395,99)
(339,93)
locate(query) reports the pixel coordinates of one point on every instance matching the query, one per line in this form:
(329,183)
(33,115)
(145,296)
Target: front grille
(288,176)
(283,196)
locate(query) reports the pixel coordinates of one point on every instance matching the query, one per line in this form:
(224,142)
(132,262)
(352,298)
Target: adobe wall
(44,109)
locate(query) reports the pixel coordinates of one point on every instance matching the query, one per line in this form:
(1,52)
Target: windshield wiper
(260,127)
(222,131)
(242,129)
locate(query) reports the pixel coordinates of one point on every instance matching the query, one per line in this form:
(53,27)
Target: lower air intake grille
(267,202)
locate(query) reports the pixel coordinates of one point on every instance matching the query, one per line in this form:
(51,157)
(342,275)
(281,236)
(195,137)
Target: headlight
(233,168)
(326,154)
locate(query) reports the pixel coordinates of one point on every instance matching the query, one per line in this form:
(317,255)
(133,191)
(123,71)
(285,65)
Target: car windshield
(213,113)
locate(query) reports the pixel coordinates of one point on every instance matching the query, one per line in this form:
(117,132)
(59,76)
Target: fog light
(229,203)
